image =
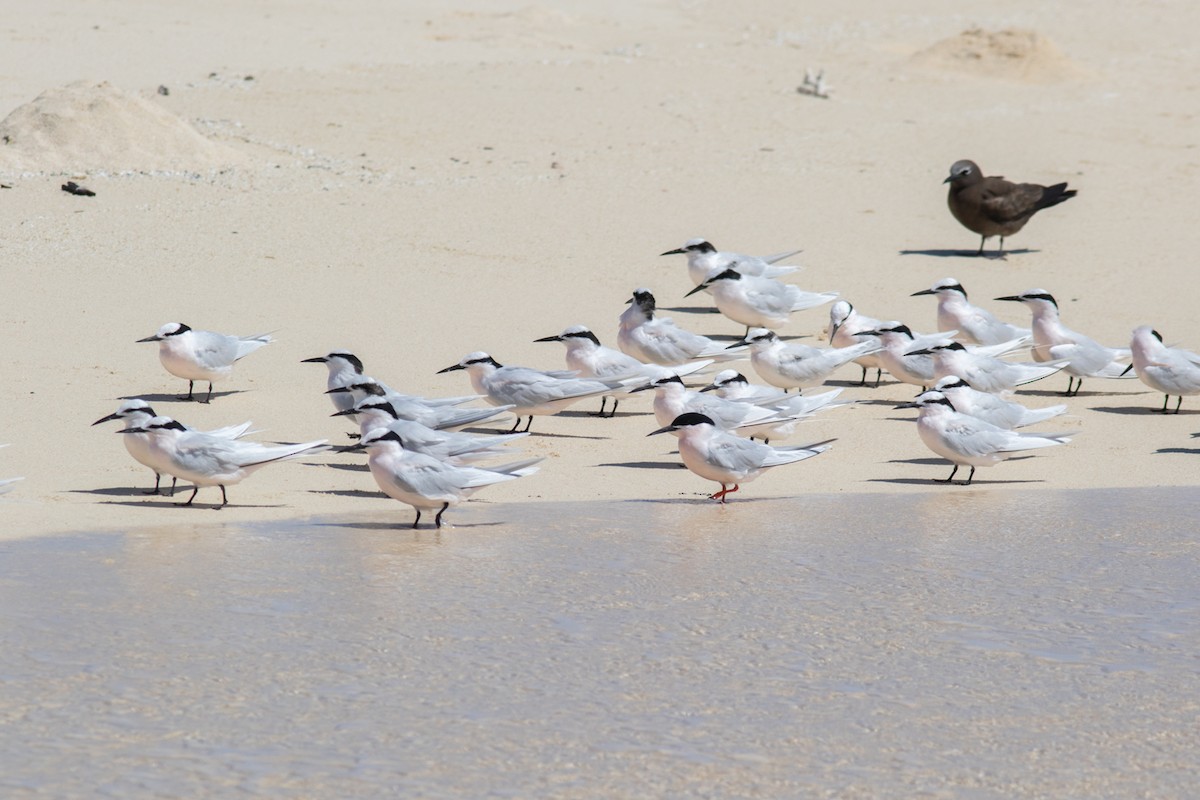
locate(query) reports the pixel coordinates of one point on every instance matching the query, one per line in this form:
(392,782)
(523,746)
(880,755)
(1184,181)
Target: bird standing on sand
(720,456)
(992,206)
(202,355)
(967,441)
(1170,370)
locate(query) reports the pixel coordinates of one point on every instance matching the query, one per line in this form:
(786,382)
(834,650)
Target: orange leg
(724,491)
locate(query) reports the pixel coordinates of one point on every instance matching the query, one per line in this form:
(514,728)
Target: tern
(968,441)
(732,385)
(378,412)
(759,302)
(845,325)
(529,392)
(438,417)
(1170,370)
(973,324)
(992,408)
(703,260)
(796,366)
(1053,341)
(719,456)
(898,342)
(672,398)
(424,482)
(136,413)
(658,340)
(985,372)
(590,359)
(202,355)
(208,460)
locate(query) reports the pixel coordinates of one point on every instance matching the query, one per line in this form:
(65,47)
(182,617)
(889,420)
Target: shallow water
(972,644)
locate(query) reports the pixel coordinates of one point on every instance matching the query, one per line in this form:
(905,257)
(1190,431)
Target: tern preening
(658,340)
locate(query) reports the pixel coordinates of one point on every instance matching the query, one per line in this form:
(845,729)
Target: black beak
(921,352)
(923,291)
(132,430)
(1123,374)
(155,338)
(109,418)
(339,390)
(948,179)
(317,360)
(908,405)
(676,252)
(739,343)
(1011,297)
(699,288)
(667,429)
(345,413)
(547,339)
(451,369)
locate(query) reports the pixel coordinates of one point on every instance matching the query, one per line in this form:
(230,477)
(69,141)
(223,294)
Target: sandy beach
(414,183)
(417,181)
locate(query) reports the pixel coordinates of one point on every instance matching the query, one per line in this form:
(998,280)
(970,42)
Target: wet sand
(978,643)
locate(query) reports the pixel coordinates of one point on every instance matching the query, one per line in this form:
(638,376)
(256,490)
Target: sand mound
(88,126)
(1019,55)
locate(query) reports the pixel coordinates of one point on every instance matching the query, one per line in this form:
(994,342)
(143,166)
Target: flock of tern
(418,453)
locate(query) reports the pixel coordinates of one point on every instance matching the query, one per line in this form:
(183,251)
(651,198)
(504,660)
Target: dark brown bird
(992,206)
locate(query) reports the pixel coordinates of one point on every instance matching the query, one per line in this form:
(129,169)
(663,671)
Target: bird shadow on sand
(691,310)
(985,256)
(642,464)
(181,504)
(121,491)
(1024,391)
(1189,451)
(346,467)
(179,398)
(699,499)
(1144,411)
(957,481)
(350,493)
(406,527)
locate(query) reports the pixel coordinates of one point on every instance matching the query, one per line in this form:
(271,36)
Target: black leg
(195,489)
(418,519)
(878,376)
(982,240)
(209,398)
(157,478)
(189,397)
(224,499)
(516,425)
(1178,403)
(174,481)
(613,413)
(1001,253)
(863,382)
(527,424)
(438,519)
(947,480)
(603,402)
(967,482)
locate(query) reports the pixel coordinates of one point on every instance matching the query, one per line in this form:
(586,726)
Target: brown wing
(1003,201)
